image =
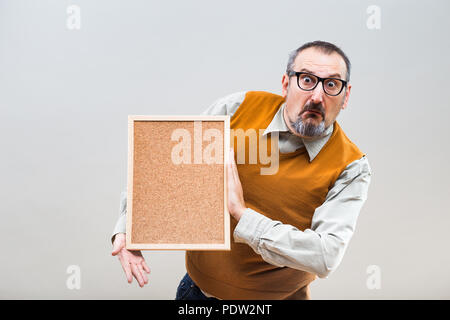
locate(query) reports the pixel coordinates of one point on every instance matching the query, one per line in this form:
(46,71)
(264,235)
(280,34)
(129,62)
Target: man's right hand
(133,262)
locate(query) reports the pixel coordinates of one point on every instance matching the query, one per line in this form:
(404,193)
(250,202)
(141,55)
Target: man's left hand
(236,203)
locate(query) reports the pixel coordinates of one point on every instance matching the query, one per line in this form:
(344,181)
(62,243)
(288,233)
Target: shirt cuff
(251,226)
(120,227)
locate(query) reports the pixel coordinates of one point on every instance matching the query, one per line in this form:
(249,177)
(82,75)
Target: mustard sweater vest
(290,196)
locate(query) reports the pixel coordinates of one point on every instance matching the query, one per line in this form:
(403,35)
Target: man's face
(310,113)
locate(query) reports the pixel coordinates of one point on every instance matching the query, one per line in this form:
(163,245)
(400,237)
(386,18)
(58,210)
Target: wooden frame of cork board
(177,183)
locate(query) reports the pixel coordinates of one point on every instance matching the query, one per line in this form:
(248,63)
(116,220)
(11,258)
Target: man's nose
(317,94)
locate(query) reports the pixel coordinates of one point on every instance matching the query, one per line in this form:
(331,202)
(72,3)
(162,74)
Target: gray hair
(323,46)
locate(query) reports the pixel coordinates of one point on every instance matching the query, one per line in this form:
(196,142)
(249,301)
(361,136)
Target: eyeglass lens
(309,81)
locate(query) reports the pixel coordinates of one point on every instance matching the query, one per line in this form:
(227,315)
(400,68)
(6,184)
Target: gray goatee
(307,128)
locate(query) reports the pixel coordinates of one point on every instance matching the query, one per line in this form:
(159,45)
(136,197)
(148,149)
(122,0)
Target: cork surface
(175,203)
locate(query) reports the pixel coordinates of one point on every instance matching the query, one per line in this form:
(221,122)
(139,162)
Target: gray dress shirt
(318,250)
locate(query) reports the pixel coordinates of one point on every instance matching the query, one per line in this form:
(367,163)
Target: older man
(294,224)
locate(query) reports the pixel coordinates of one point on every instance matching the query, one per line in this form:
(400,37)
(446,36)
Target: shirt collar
(313,145)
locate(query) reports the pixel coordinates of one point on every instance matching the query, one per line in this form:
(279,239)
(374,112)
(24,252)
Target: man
(295,224)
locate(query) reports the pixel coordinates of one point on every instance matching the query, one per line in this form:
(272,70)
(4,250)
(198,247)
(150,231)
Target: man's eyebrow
(334,75)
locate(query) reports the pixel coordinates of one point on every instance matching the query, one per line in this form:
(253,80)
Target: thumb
(116,248)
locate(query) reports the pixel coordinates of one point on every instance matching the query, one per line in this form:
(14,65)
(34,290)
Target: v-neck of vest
(293,153)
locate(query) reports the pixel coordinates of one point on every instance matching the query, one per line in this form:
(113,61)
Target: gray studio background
(65,96)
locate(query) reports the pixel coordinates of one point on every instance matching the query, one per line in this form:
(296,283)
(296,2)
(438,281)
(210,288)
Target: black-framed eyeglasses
(308,82)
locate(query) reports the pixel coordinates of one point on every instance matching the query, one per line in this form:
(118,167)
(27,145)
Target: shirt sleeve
(226,105)
(121,224)
(319,249)
(223,106)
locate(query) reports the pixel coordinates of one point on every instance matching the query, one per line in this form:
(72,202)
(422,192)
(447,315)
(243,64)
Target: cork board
(177,183)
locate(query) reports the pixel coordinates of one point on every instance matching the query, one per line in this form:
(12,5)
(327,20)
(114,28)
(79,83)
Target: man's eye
(331,84)
(307,80)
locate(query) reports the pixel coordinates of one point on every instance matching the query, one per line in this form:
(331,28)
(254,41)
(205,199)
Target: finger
(145,266)
(137,274)
(144,276)
(126,268)
(231,155)
(116,248)
(230,175)
(234,167)
(115,251)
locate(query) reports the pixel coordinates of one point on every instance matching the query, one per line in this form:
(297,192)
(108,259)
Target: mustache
(318,107)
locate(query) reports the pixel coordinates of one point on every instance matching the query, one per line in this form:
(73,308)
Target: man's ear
(284,85)
(347,96)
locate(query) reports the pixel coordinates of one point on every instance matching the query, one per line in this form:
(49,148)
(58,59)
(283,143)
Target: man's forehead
(320,63)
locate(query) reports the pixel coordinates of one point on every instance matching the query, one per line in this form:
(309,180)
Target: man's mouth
(314,112)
